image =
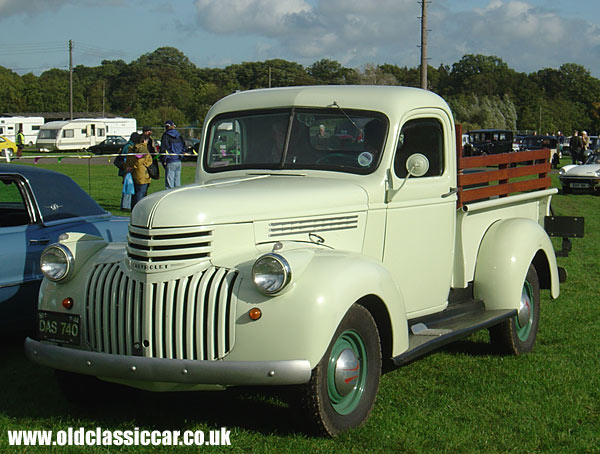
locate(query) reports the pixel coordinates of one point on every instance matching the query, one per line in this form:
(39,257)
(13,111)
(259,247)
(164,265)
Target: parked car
(191,149)
(31,218)
(7,147)
(110,145)
(489,141)
(537,142)
(585,177)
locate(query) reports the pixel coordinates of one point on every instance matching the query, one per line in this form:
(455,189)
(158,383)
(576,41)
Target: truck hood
(249,199)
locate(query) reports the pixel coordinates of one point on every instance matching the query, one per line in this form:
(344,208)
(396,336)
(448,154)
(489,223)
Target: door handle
(39,241)
(450,192)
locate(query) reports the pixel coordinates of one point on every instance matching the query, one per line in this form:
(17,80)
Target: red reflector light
(67,303)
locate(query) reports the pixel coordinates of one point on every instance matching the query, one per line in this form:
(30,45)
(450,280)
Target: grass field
(462,399)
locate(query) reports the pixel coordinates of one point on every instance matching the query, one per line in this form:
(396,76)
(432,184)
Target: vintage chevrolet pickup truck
(331,232)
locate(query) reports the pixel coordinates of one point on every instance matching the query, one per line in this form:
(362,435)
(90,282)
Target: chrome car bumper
(225,373)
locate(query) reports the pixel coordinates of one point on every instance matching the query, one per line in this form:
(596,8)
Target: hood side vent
(313,225)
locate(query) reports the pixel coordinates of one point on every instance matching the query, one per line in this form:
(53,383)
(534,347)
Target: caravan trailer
(9,127)
(81,133)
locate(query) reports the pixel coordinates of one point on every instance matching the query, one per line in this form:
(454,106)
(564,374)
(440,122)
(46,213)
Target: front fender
(301,321)
(505,253)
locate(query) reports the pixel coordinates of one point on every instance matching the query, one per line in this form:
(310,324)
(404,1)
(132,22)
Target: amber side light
(255,314)
(67,303)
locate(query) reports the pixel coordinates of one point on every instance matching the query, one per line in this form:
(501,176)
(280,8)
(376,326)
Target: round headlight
(56,262)
(561,171)
(271,273)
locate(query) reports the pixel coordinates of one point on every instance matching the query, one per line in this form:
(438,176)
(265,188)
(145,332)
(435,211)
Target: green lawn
(462,399)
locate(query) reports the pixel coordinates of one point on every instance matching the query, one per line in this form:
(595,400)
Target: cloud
(30,7)
(525,36)
(354,32)
(350,31)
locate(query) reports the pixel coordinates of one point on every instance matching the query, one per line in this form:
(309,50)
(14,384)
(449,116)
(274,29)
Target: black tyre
(566,189)
(517,335)
(341,392)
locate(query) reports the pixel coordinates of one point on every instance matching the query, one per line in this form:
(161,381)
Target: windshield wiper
(335,104)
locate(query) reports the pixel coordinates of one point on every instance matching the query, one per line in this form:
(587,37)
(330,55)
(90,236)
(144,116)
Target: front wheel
(517,335)
(341,392)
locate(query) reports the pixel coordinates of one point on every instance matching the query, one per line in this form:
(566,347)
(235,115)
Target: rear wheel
(517,335)
(341,392)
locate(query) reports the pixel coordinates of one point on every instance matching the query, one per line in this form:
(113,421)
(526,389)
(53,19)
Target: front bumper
(193,372)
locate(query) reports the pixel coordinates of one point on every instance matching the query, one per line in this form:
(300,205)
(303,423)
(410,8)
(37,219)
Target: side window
(68,133)
(424,136)
(13,211)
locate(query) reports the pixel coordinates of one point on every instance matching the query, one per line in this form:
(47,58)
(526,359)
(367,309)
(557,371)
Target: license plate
(59,327)
(580,185)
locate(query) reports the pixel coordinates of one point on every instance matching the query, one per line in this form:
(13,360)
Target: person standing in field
(576,147)
(172,147)
(138,160)
(20,142)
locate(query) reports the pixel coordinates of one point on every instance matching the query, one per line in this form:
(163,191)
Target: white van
(9,127)
(81,133)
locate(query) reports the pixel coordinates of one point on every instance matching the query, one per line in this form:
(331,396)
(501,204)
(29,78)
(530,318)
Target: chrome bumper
(225,373)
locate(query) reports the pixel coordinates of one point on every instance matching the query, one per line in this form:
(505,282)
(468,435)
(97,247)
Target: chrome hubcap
(524,308)
(347,372)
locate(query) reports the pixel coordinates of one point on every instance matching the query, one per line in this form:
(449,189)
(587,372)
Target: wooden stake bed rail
(477,181)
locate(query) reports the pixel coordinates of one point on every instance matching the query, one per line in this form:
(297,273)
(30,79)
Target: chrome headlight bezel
(271,283)
(65,262)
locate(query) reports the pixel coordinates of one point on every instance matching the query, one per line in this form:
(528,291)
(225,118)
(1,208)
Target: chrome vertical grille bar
(159,320)
(114,326)
(98,308)
(222,324)
(192,307)
(106,304)
(179,328)
(148,319)
(211,314)
(201,312)
(168,333)
(129,316)
(121,321)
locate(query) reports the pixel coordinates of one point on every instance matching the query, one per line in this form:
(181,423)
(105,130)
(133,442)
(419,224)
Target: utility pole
(103,96)
(424,44)
(71,78)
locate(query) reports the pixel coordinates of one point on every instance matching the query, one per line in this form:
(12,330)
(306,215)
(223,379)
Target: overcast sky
(527,34)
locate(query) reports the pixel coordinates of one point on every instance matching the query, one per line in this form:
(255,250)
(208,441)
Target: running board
(424,338)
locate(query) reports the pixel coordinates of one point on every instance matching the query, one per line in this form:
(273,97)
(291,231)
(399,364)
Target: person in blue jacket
(172,148)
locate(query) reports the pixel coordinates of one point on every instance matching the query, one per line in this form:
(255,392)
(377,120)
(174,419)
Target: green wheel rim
(345,403)
(524,331)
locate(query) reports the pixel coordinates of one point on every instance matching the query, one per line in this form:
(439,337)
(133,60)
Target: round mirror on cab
(417,165)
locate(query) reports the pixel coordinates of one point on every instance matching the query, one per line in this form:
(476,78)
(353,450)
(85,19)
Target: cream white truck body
(171,309)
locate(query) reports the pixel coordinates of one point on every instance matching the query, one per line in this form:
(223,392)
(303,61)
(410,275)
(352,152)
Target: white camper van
(9,127)
(81,133)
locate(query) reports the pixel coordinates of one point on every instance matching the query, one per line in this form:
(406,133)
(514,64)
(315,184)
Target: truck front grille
(188,318)
(171,244)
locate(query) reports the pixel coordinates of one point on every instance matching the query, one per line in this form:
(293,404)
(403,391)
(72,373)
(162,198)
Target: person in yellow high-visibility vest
(20,142)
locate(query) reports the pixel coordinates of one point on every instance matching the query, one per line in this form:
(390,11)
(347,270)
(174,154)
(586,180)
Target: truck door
(420,233)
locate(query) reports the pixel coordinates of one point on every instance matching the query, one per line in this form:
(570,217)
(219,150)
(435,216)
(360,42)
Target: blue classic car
(36,206)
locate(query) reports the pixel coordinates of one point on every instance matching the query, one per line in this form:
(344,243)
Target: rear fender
(505,253)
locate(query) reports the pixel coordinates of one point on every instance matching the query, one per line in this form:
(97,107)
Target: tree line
(482,91)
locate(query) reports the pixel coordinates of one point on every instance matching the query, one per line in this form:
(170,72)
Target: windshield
(325,139)
(593,159)
(47,133)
